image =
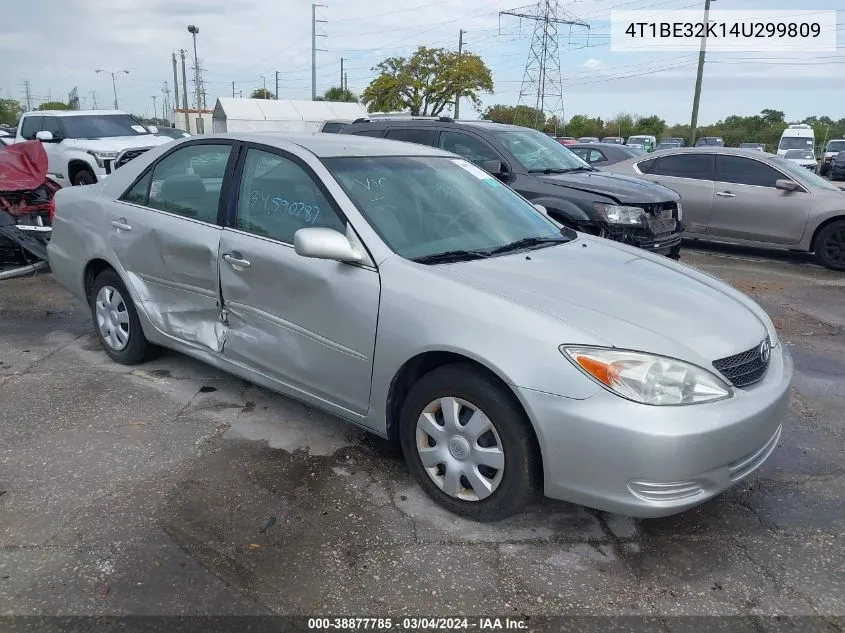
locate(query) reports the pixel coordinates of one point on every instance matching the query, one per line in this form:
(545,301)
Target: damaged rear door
(165,231)
(308,324)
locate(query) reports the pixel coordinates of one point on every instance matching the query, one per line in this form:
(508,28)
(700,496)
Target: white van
(797,136)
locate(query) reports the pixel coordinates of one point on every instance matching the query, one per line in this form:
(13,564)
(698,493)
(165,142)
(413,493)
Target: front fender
(564,209)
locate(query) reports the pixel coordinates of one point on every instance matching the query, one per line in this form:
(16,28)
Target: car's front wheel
(116,320)
(468,443)
(84,177)
(830,246)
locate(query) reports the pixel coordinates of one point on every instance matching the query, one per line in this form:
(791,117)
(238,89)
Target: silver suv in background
(750,197)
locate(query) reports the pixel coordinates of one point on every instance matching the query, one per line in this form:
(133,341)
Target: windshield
(635,151)
(639,140)
(803,175)
(537,152)
(102,126)
(796,142)
(424,206)
(836,146)
(799,153)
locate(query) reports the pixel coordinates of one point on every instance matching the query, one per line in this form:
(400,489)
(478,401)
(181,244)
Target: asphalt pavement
(172,488)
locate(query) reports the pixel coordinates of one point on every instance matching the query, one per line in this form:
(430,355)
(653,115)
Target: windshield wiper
(560,170)
(450,256)
(527,243)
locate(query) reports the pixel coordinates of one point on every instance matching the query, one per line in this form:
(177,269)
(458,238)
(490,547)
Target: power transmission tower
(27,93)
(314,49)
(542,88)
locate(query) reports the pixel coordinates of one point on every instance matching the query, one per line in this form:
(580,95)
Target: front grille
(662,223)
(128,155)
(745,368)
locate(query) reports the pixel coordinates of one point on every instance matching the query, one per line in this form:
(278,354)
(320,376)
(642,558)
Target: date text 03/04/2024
(480,624)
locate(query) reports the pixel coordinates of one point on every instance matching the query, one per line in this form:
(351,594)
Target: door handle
(726,194)
(121,225)
(234,261)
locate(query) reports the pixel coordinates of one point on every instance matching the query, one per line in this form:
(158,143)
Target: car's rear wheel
(84,177)
(116,320)
(468,443)
(830,246)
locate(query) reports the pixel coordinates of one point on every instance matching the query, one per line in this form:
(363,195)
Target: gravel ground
(171,488)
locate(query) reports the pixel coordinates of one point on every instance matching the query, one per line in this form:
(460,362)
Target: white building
(282,115)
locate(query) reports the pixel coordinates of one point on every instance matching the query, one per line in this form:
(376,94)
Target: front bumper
(662,244)
(611,454)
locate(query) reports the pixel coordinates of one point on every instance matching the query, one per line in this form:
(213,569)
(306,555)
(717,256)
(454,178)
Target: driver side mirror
(320,243)
(46,137)
(495,168)
(786,185)
(152,129)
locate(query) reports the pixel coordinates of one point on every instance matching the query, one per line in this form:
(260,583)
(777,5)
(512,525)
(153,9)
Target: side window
(580,152)
(596,156)
(30,126)
(52,124)
(188,181)
(696,166)
(745,171)
(138,193)
(645,166)
(418,135)
(471,148)
(278,197)
(369,132)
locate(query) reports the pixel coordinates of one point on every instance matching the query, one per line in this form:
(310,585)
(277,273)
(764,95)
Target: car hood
(625,298)
(624,189)
(115,143)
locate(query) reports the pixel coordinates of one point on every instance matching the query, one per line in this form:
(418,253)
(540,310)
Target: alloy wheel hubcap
(834,246)
(460,449)
(112,318)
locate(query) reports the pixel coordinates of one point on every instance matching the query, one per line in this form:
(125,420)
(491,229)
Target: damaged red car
(26,203)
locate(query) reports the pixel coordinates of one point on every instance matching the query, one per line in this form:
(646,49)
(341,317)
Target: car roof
(599,145)
(73,112)
(732,151)
(334,145)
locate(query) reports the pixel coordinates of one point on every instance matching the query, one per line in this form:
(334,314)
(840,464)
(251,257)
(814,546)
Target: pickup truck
(83,146)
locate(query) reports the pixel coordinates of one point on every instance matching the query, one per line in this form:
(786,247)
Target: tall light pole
(194,31)
(155,111)
(113,83)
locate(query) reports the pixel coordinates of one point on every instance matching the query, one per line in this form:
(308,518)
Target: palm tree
(340,94)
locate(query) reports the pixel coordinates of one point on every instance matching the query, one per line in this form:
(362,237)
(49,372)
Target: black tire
(84,177)
(829,246)
(675,253)
(520,477)
(137,349)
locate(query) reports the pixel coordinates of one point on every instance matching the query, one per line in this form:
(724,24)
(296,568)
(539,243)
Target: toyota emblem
(765,351)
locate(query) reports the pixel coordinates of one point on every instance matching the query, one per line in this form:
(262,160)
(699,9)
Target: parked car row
(409,290)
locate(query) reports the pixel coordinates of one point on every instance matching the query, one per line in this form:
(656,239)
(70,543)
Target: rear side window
(647,165)
(332,128)
(420,136)
(695,166)
(139,192)
(746,171)
(188,181)
(368,132)
(30,126)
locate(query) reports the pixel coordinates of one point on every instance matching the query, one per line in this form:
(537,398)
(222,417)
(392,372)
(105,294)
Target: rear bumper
(644,461)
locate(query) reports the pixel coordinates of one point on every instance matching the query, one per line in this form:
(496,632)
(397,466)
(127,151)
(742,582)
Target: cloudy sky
(241,40)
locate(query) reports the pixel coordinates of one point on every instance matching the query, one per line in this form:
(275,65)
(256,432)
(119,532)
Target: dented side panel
(307,323)
(171,263)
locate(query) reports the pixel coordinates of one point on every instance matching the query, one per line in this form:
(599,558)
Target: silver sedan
(745,196)
(407,291)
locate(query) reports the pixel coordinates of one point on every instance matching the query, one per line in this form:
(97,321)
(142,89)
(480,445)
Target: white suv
(83,145)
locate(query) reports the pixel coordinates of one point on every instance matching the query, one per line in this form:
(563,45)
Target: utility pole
(166,109)
(460,53)
(542,88)
(346,81)
(175,88)
(113,82)
(693,126)
(341,73)
(94,98)
(233,90)
(185,92)
(277,85)
(155,110)
(27,92)
(314,36)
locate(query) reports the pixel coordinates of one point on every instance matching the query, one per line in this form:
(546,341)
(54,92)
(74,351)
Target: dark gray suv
(545,172)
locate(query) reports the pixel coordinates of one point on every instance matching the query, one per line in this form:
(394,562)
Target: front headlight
(680,212)
(647,379)
(618,214)
(100,157)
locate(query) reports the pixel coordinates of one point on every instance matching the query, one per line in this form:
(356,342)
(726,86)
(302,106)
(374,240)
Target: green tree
(516,115)
(427,82)
(621,125)
(54,105)
(651,125)
(10,111)
(773,117)
(262,93)
(340,94)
